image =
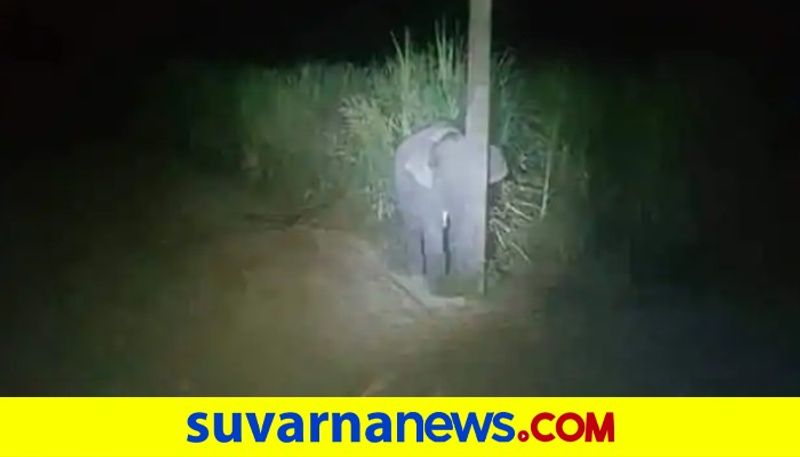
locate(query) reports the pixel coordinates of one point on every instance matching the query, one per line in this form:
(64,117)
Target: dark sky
(218,28)
(357,28)
(129,33)
(763,34)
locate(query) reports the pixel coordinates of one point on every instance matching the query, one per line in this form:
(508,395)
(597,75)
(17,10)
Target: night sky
(94,145)
(106,43)
(130,36)
(346,29)
(112,40)
(94,52)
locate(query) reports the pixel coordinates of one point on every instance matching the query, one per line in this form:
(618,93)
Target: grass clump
(289,124)
(299,132)
(407,91)
(421,84)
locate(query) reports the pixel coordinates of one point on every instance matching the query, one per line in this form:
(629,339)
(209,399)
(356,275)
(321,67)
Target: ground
(132,277)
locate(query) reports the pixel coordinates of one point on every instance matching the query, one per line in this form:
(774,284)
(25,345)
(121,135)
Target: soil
(132,278)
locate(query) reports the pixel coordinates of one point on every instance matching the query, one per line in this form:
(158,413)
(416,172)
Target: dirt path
(143,284)
(184,295)
(302,310)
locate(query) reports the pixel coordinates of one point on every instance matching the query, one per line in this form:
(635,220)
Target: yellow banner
(399,427)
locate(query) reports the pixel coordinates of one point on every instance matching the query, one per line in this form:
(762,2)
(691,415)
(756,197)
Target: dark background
(357,29)
(73,76)
(71,72)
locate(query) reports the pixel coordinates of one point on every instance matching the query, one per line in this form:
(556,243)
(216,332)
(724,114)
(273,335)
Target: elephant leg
(414,256)
(455,240)
(460,278)
(435,260)
(467,259)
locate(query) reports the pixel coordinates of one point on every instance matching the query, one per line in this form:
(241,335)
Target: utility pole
(477,125)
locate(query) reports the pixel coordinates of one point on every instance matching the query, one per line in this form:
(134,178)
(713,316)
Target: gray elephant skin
(433,169)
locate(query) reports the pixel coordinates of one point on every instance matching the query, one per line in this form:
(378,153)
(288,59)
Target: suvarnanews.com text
(400,427)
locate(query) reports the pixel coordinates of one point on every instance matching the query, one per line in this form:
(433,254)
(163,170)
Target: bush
(308,129)
(411,89)
(419,85)
(289,124)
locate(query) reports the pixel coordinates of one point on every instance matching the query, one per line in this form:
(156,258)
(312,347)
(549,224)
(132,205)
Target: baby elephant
(431,167)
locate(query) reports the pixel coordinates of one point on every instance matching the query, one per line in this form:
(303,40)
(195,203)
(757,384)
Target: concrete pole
(477,121)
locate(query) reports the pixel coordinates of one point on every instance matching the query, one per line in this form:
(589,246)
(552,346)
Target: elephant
(433,169)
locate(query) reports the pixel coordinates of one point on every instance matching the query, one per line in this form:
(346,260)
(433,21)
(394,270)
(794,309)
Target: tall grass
(421,84)
(289,125)
(412,88)
(305,130)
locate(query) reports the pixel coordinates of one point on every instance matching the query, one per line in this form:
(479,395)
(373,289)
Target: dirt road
(126,281)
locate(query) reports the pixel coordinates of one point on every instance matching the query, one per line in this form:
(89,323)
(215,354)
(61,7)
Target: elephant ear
(423,161)
(439,132)
(420,169)
(498,169)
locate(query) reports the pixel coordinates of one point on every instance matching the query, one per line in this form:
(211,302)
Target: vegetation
(319,127)
(303,133)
